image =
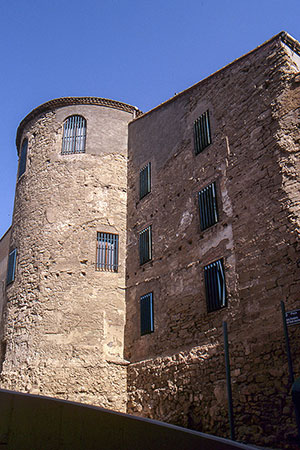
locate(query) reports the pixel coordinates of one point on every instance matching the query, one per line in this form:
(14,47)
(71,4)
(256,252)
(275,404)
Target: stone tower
(65,309)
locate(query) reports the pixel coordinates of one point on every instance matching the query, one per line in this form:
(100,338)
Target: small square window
(147,315)
(107,252)
(208,206)
(145,243)
(11,266)
(145,180)
(202,134)
(215,286)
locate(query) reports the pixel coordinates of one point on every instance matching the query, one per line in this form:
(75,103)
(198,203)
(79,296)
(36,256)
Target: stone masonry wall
(65,320)
(177,372)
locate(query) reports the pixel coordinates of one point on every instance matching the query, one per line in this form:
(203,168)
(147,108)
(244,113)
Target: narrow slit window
(145,180)
(215,286)
(107,252)
(11,266)
(145,243)
(23,158)
(147,315)
(74,135)
(202,133)
(208,208)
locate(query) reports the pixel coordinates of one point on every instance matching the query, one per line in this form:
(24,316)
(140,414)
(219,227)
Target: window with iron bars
(107,252)
(215,286)
(208,209)
(74,135)
(145,180)
(147,315)
(145,244)
(11,266)
(202,134)
(23,158)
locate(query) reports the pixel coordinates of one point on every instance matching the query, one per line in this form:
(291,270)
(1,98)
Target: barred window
(145,180)
(107,252)
(23,158)
(145,245)
(202,135)
(74,135)
(147,316)
(215,286)
(11,266)
(208,206)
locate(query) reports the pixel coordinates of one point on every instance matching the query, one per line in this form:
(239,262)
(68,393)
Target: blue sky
(139,52)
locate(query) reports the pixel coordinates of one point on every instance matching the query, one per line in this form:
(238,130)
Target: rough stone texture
(177,373)
(65,320)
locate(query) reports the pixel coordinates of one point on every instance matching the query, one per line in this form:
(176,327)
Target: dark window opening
(215,286)
(208,206)
(147,315)
(145,243)
(202,134)
(11,266)
(145,180)
(23,158)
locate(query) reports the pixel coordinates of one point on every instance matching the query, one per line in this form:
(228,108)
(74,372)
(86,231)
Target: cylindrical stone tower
(65,312)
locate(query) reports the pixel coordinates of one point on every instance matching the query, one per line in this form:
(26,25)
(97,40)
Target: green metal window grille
(202,134)
(107,252)
(215,286)
(23,158)
(208,208)
(74,135)
(145,180)
(147,315)
(11,266)
(145,241)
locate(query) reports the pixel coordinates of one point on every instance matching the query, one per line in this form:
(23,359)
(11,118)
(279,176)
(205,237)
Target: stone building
(135,236)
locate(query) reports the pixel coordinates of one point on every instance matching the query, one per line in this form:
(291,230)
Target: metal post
(287,343)
(228,381)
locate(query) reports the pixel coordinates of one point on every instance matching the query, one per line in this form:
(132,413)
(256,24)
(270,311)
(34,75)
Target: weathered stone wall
(252,103)
(189,389)
(65,320)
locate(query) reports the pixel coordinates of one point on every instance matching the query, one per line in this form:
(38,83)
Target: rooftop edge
(286,38)
(67,101)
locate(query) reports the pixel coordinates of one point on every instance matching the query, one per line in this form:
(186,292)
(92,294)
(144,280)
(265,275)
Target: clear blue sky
(137,51)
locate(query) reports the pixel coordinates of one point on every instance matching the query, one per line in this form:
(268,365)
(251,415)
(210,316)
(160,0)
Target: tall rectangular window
(215,286)
(145,180)
(202,134)
(208,206)
(145,242)
(11,266)
(147,316)
(23,158)
(107,252)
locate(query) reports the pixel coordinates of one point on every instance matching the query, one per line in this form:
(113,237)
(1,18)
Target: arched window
(74,135)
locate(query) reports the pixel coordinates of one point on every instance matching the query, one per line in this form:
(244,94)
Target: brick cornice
(68,101)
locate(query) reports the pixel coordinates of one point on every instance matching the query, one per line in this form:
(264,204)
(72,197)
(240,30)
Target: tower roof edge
(67,101)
